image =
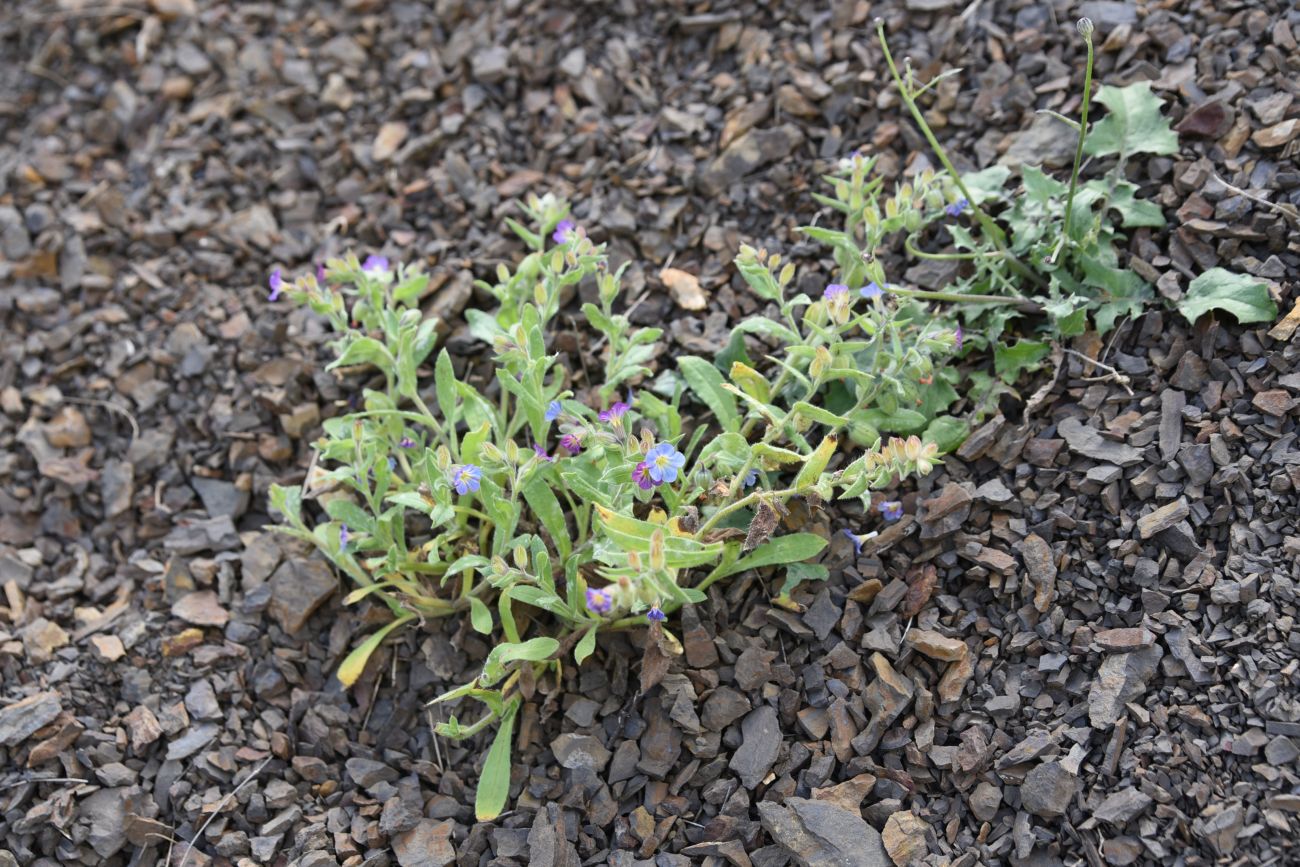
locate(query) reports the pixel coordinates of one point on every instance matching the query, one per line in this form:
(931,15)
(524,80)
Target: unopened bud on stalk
(1084,26)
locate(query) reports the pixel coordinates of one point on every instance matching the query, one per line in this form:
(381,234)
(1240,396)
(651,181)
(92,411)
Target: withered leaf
(762,527)
(919,588)
(654,660)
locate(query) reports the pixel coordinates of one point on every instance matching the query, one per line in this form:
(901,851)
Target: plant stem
(1083,135)
(1025,304)
(991,229)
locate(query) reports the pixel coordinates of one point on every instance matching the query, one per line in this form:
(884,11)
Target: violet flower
(343,536)
(958,336)
(541,453)
(955,209)
(571,442)
(562,230)
(835,290)
(641,475)
(614,413)
(599,600)
(375,266)
(277,286)
(751,479)
(858,539)
(871,290)
(656,615)
(891,510)
(465,479)
(406,443)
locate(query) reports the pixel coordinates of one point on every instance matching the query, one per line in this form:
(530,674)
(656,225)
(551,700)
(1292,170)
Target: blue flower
(375,266)
(891,510)
(465,479)
(553,410)
(958,336)
(955,209)
(562,230)
(656,615)
(751,479)
(343,536)
(599,600)
(392,463)
(858,539)
(277,285)
(871,290)
(663,461)
(835,290)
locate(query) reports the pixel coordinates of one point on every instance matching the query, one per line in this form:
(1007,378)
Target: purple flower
(407,443)
(835,290)
(871,290)
(553,410)
(343,536)
(858,539)
(571,443)
(375,265)
(663,463)
(656,615)
(320,274)
(277,286)
(465,479)
(562,230)
(641,475)
(958,336)
(955,209)
(541,453)
(614,413)
(891,510)
(599,601)
(392,463)
(751,479)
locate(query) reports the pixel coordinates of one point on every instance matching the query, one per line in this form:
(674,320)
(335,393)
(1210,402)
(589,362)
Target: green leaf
(946,432)
(1217,289)
(819,415)
(410,288)
(287,500)
(1133,124)
(444,380)
(494,783)
(793,548)
(1134,212)
(987,184)
(707,383)
(586,645)
(900,421)
(632,534)
(800,573)
(1010,361)
(479,616)
(364,350)
(546,506)
(355,663)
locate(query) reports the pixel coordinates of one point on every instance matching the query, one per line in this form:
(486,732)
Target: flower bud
(1084,26)
(521,557)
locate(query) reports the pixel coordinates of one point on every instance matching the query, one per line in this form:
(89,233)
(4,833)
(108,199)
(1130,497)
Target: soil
(1079,644)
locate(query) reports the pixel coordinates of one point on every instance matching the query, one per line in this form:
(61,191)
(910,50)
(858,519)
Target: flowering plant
(544,518)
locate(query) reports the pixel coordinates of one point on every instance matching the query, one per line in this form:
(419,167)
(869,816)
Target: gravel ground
(1080,645)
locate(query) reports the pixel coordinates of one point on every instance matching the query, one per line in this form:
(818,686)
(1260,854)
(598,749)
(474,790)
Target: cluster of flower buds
(900,457)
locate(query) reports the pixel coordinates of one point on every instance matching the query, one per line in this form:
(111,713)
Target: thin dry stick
(235,791)
(18,783)
(433,730)
(1112,373)
(1290,215)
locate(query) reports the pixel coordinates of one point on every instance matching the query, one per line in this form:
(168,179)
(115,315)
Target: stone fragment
(985,800)
(761,742)
(1278,134)
(41,638)
(904,838)
(575,751)
(1040,564)
(1122,678)
(936,645)
(1089,442)
(748,153)
(1048,790)
(820,834)
(428,844)
(201,608)
(22,719)
(1122,807)
(1162,518)
(107,647)
(298,588)
(1126,639)
(388,140)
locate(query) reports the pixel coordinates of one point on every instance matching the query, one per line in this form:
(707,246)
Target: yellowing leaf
(352,667)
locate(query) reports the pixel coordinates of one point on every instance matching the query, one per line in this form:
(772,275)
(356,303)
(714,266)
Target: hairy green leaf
(1217,289)
(707,383)
(1132,125)
(494,784)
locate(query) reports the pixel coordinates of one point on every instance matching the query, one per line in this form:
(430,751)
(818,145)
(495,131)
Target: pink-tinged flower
(891,510)
(599,600)
(541,453)
(407,443)
(562,230)
(641,475)
(871,290)
(277,286)
(835,290)
(614,413)
(958,336)
(656,615)
(375,265)
(571,442)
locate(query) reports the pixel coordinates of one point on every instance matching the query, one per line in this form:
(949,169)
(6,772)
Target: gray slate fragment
(547,844)
(298,588)
(195,739)
(1048,790)
(575,751)
(22,719)
(748,153)
(820,834)
(1122,678)
(1180,648)
(105,811)
(761,731)
(1162,518)
(1089,442)
(1122,807)
(1172,402)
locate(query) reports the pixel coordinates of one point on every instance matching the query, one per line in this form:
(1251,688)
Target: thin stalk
(991,229)
(1025,304)
(1086,30)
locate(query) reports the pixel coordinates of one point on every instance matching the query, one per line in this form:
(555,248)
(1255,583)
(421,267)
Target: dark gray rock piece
(751,151)
(1089,442)
(820,834)
(761,731)
(1122,678)
(1048,790)
(1122,807)
(22,719)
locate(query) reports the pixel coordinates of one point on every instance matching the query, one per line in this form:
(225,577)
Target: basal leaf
(351,668)
(987,184)
(793,548)
(1011,361)
(494,784)
(1133,123)
(1217,289)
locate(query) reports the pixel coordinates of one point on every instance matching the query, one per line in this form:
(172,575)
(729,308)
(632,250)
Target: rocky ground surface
(1080,645)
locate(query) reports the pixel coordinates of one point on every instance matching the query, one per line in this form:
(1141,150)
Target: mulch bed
(1080,645)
